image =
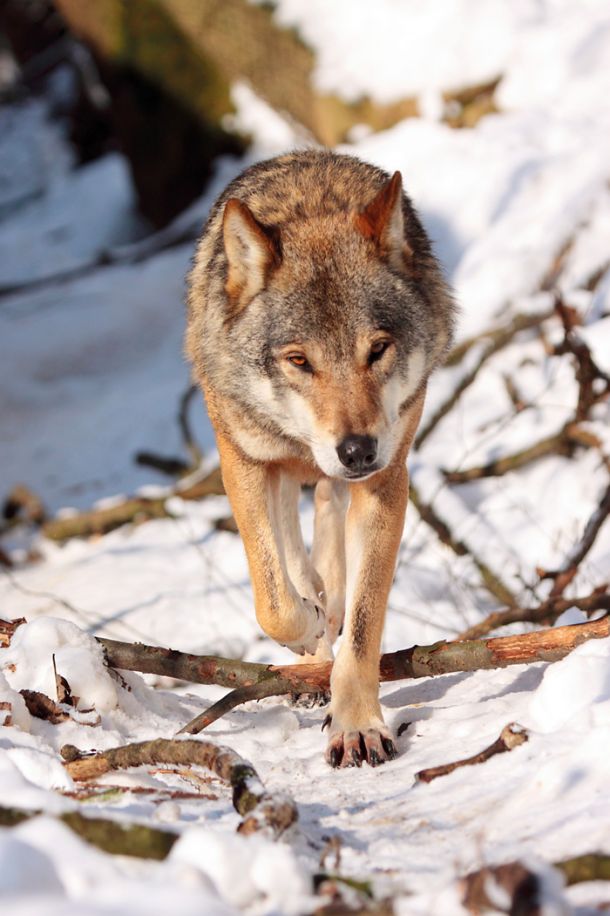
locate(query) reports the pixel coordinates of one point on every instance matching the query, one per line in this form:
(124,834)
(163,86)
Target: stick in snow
(511,736)
(259,808)
(419,661)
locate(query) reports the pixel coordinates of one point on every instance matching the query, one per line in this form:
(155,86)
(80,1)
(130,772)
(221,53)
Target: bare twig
(100,521)
(512,736)
(562,443)
(568,569)
(546,612)
(490,579)
(493,340)
(188,438)
(258,808)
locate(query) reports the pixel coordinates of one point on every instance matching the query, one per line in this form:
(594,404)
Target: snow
(92,372)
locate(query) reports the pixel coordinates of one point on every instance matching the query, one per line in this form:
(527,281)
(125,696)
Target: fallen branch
(546,613)
(101,521)
(494,339)
(110,836)
(491,580)
(255,680)
(562,443)
(512,736)
(521,886)
(566,572)
(258,808)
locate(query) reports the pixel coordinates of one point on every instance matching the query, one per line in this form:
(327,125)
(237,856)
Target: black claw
(374,758)
(389,747)
(335,756)
(356,758)
(327,721)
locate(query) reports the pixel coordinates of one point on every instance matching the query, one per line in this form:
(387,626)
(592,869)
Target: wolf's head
(334,323)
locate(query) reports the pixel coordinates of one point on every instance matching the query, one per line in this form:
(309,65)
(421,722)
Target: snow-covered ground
(91,372)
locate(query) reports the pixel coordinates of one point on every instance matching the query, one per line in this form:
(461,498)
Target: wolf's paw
(314,625)
(348,748)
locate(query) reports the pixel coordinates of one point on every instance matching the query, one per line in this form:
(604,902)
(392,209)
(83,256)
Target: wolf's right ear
(251,250)
(382,221)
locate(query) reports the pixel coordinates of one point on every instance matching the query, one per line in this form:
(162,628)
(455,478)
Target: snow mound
(28,662)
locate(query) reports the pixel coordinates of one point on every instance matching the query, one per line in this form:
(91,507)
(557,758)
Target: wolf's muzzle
(358,454)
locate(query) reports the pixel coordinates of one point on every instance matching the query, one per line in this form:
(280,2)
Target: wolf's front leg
(253,489)
(374,526)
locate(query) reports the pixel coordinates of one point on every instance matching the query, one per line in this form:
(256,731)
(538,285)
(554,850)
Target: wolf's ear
(251,252)
(382,221)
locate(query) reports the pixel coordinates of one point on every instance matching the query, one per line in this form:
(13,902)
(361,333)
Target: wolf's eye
(298,360)
(377,350)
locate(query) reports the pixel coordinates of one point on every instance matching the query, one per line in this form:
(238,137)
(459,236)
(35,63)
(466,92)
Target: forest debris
(511,736)
(418,661)
(7,628)
(568,569)
(563,443)
(259,809)
(483,890)
(429,515)
(492,341)
(521,885)
(137,509)
(24,505)
(6,713)
(43,707)
(546,612)
(110,836)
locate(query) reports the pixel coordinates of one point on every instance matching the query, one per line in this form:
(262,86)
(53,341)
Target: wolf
(316,311)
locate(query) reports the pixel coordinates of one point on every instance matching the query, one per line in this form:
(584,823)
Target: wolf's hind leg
(328,553)
(253,489)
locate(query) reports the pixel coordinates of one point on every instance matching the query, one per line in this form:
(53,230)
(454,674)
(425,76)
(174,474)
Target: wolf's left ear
(382,221)
(251,252)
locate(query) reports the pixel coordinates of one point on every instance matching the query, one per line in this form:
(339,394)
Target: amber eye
(298,360)
(377,350)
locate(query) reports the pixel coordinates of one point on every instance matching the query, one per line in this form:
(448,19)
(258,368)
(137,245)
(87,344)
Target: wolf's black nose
(358,453)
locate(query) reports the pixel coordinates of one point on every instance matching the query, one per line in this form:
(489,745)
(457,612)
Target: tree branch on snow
(110,836)
(511,736)
(101,521)
(258,808)
(546,612)
(494,340)
(253,681)
(521,886)
(563,443)
(429,515)
(568,569)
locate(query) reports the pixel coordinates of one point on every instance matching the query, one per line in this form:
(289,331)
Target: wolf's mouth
(361,475)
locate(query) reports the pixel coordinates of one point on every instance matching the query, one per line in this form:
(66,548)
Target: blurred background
(121,120)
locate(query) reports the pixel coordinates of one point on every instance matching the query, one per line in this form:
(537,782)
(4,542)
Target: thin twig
(491,580)
(561,443)
(568,569)
(512,736)
(546,612)
(494,339)
(188,438)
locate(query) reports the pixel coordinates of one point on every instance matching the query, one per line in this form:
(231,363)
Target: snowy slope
(91,372)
